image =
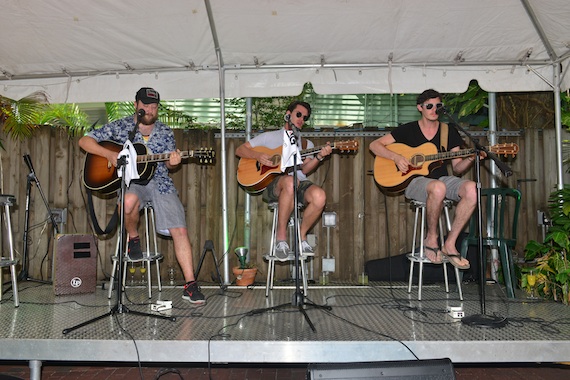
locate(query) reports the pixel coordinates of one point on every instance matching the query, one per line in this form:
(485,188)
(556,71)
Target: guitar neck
(316,149)
(160,157)
(449,155)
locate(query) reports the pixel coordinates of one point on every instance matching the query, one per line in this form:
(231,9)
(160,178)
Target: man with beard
(144,128)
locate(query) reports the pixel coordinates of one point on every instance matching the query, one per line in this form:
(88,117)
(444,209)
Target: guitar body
(253,176)
(100,175)
(423,159)
(387,174)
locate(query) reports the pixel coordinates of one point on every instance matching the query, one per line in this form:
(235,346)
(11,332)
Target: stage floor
(380,322)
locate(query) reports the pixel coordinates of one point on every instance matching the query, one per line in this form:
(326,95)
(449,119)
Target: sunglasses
(429,106)
(299,114)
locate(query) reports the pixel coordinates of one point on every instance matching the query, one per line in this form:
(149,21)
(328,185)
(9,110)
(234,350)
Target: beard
(148,119)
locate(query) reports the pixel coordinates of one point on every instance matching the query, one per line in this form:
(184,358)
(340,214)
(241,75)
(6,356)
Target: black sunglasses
(429,106)
(299,114)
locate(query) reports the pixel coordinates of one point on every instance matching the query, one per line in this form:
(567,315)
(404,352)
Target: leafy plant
(68,116)
(20,117)
(551,256)
(468,103)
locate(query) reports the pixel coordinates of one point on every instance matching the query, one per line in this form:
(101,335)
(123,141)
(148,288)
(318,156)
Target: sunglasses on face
(429,106)
(299,114)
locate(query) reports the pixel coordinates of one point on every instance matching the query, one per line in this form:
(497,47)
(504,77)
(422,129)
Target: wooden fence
(371,224)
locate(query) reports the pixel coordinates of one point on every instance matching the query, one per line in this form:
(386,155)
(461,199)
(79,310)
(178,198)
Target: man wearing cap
(144,128)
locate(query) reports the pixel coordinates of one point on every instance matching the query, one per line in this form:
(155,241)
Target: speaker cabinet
(75,264)
(440,369)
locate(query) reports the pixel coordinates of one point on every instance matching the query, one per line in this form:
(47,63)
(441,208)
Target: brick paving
(67,371)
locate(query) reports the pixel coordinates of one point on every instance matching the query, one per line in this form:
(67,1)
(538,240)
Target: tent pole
(222,75)
(493,178)
(247,212)
(558,124)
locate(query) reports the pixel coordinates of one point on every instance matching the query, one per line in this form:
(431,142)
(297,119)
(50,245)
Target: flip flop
(454,260)
(437,252)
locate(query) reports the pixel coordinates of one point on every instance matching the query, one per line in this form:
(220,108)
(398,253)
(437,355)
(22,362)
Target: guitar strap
(443,136)
(112,223)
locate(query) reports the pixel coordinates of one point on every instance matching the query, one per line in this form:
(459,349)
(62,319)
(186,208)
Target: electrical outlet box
(59,215)
(328,265)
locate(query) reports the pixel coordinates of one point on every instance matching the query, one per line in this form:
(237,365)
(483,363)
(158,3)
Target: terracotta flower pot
(244,277)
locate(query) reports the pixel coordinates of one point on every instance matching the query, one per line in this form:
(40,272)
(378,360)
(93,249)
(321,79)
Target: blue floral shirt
(161,140)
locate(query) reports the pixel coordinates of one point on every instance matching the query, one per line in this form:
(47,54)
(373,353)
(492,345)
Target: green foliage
(68,116)
(170,117)
(20,117)
(551,256)
(266,113)
(565,109)
(468,103)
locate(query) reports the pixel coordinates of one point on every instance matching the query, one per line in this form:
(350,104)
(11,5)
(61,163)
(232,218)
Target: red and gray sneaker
(135,251)
(192,293)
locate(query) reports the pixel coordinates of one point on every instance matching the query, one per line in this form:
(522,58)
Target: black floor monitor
(440,369)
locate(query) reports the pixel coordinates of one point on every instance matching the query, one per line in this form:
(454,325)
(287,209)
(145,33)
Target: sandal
(437,252)
(454,259)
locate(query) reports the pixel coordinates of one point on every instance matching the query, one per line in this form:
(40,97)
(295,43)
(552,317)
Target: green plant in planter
(551,256)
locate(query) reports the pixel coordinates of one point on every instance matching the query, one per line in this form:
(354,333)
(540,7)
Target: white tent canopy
(96,51)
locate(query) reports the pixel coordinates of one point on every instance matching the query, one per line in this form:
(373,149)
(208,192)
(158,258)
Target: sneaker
(282,250)
(135,251)
(192,293)
(307,249)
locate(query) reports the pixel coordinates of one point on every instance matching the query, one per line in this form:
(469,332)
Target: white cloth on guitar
(290,149)
(130,155)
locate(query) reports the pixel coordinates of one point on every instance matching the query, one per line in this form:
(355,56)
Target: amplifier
(75,264)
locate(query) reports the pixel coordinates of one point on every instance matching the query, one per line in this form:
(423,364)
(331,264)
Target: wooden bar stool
(10,261)
(419,255)
(149,256)
(271,258)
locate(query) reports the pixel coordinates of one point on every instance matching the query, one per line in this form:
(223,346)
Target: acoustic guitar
(100,175)
(424,159)
(254,177)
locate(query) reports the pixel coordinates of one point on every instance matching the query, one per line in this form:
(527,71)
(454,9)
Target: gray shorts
(269,192)
(416,190)
(168,210)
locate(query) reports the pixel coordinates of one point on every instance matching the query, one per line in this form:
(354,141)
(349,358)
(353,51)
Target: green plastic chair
(500,206)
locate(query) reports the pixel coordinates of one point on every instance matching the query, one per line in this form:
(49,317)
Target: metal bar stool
(149,256)
(10,261)
(419,256)
(270,257)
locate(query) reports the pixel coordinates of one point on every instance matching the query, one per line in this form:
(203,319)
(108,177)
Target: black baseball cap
(148,95)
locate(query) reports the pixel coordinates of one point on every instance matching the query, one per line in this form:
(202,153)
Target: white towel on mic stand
(131,171)
(289,151)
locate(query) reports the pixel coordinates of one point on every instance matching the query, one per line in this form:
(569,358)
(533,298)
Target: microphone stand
(119,307)
(24,275)
(298,299)
(481,320)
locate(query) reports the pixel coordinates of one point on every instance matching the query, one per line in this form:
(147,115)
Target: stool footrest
(291,257)
(5,262)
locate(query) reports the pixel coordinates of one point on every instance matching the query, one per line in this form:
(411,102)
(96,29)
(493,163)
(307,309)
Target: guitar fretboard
(340,145)
(448,155)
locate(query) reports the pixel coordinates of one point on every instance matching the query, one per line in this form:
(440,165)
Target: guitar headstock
(346,146)
(204,155)
(506,149)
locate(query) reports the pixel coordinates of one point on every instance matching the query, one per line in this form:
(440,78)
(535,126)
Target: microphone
(441,110)
(287,117)
(140,114)
(28,161)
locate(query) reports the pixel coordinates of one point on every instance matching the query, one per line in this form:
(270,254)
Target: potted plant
(245,272)
(550,258)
